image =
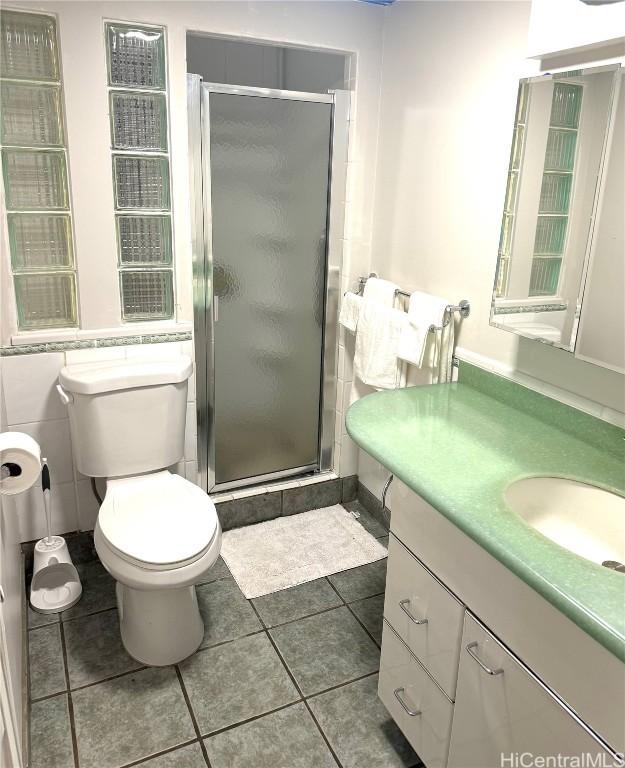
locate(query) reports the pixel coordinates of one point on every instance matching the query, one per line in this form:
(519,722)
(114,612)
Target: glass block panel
(147,294)
(46,301)
(138,121)
(560,153)
(144,240)
(141,182)
(521,104)
(501,284)
(35,180)
(31,115)
(544,277)
(513,180)
(136,56)
(40,241)
(505,239)
(517,147)
(555,193)
(550,235)
(28,46)
(566,105)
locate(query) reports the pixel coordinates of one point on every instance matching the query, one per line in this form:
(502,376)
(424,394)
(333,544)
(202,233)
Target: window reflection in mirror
(558,146)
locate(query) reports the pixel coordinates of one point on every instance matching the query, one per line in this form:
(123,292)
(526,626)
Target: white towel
(382,291)
(350,310)
(377,340)
(424,310)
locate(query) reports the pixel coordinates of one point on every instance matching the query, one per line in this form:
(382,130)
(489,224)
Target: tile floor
(288,680)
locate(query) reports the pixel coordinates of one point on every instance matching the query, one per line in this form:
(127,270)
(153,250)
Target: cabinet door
(503,711)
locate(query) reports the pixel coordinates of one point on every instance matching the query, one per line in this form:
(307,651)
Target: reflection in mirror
(557,151)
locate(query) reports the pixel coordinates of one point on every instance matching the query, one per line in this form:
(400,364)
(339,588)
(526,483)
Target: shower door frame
(204,306)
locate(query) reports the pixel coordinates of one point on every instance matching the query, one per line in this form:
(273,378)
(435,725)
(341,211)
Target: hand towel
(377,340)
(350,310)
(382,291)
(424,310)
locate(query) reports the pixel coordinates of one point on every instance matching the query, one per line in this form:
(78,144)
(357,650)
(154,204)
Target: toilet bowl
(156,533)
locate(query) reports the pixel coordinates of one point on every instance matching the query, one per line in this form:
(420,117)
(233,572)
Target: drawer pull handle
(411,616)
(486,669)
(410,712)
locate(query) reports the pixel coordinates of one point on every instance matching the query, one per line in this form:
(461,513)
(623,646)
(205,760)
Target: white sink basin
(582,518)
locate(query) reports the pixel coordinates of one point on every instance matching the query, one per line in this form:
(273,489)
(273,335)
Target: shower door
(266,200)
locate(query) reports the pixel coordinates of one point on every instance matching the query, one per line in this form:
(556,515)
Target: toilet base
(159,626)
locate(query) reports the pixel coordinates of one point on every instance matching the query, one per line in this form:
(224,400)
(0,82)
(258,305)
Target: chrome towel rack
(463,307)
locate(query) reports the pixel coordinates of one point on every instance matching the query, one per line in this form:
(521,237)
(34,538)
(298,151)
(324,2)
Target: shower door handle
(215,308)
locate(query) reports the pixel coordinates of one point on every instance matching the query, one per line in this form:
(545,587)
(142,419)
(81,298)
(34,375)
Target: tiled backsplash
(33,406)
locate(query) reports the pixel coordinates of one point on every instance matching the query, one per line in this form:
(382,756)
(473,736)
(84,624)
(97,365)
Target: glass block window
(137,70)
(556,188)
(507,222)
(35,173)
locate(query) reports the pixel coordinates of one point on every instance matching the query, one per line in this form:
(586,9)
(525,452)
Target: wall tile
(31,516)
(54,439)
(348,464)
(88,506)
(161,351)
(96,355)
(30,388)
(190,471)
(308,497)
(190,434)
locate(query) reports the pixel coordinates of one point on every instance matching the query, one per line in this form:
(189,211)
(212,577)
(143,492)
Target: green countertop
(460,445)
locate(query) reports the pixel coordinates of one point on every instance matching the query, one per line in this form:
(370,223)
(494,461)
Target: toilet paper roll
(20,462)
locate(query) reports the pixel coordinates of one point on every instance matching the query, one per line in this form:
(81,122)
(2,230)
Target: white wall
(449,86)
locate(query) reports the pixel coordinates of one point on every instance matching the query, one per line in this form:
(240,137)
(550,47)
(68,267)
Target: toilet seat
(158,521)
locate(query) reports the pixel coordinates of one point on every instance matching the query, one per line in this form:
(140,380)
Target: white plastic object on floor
(56,585)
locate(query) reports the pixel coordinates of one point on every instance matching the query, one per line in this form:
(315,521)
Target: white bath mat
(287,551)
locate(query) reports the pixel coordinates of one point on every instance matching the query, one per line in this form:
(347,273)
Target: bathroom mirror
(561,149)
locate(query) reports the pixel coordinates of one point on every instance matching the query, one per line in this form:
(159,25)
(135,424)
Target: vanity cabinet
(502,709)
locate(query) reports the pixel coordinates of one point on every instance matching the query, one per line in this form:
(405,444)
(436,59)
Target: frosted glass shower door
(269,161)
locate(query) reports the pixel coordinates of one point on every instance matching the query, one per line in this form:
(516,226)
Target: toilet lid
(158,519)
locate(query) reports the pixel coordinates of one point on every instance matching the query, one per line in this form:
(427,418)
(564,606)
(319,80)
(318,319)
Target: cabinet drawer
(502,709)
(426,616)
(425,714)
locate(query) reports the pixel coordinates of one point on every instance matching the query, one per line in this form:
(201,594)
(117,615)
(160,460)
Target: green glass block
(28,47)
(566,105)
(141,182)
(555,193)
(550,235)
(505,238)
(144,240)
(501,283)
(517,147)
(560,152)
(544,276)
(147,294)
(521,103)
(35,179)
(40,241)
(31,115)
(136,56)
(138,120)
(511,190)
(46,301)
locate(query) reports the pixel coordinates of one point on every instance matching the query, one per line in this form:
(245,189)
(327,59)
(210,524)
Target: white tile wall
(33,406)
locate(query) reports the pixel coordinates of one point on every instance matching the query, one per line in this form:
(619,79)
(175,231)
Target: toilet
(157,534)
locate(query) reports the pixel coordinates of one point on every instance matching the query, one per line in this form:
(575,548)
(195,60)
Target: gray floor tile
(364,581)
(370,611)
(218,571)
(226,613)
(325,650)
(186,757)
(284,739)
(296,602)
(50,734)
(315,496)
(130,717)
(98,591)
(236,681)
(95,650)
(366,519)
(359,729)
(349,488)
(250,510)
(45,657)
(383,541)
(36,619)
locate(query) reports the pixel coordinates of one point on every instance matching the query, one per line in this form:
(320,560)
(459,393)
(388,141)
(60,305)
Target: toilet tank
(126,416)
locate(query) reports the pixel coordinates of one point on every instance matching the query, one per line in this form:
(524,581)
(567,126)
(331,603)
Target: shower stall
(266,279)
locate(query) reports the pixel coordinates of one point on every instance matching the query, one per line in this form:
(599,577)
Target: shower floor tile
(257,693)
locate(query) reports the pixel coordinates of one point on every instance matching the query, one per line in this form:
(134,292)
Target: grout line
(252,719)
(169,750)
(196,727)
(109,678)
(70,702)
(347,605)
(342,685)
(301,618)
